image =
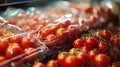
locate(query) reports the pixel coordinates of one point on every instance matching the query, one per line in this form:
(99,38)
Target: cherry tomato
(88,64)
(60,57)
(85,49)
(101,60)
(73,32)
(105,34)
(82,58)
(78,43)
(45,32)
(114,41)
(50,37)
(103,47)
(16,38)
(60,31)
(74,50)
(27,42)
(91,42)
(115,64)
(92,54)
(70,61)
(4,43)
(65,23)
(88,9)
(38,64)
(2,58)
(31,54)
(13,50)
(51,63)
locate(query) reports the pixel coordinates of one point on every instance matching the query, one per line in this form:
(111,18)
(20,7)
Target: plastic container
(23,50)
(55,22)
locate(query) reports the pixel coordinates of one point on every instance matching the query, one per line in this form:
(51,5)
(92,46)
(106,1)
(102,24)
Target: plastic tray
(78,14)
(22,58)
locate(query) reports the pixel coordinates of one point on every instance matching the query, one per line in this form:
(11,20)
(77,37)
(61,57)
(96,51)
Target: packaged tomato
(19,50)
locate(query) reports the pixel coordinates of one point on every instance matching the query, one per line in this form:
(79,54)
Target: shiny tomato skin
(60,31)
(52,63)
(74,50)
(4,43)
(70,61)
(50,37)
(82,58)
(31,54)
(60,57)
(101,60)
(103,47)
(16,38)
(38,64)
(78,43)
(93,53)
(27,42)
(45,32)
(85,49)
(105,34)
(91,42)
(13,50)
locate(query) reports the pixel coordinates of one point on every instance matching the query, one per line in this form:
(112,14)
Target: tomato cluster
(17,46)
(55,26)
(96,49)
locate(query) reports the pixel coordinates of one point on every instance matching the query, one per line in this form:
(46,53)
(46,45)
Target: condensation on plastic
(21,60)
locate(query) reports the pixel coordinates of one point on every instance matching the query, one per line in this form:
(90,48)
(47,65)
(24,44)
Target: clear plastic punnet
(56,25)
(20,50)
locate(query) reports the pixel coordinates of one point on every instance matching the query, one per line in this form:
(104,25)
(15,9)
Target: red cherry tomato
(101,60)
(2,58)
(105,34)
(103,47)
(114,41)
(16,38)
(31,54)
(60,57)
(88,9)
(70,61)
(13,50)
(91,42)
(92,54)
(115,64)
(85,49)
(74,50)
(51,63)
(50,37)
(4,43)
(45,32)
(27,42)
(82,58)
(65,23)
(78,43)
(38,64)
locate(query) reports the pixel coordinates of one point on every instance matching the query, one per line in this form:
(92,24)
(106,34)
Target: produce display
(101,49)
(59,36)
(58,25)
